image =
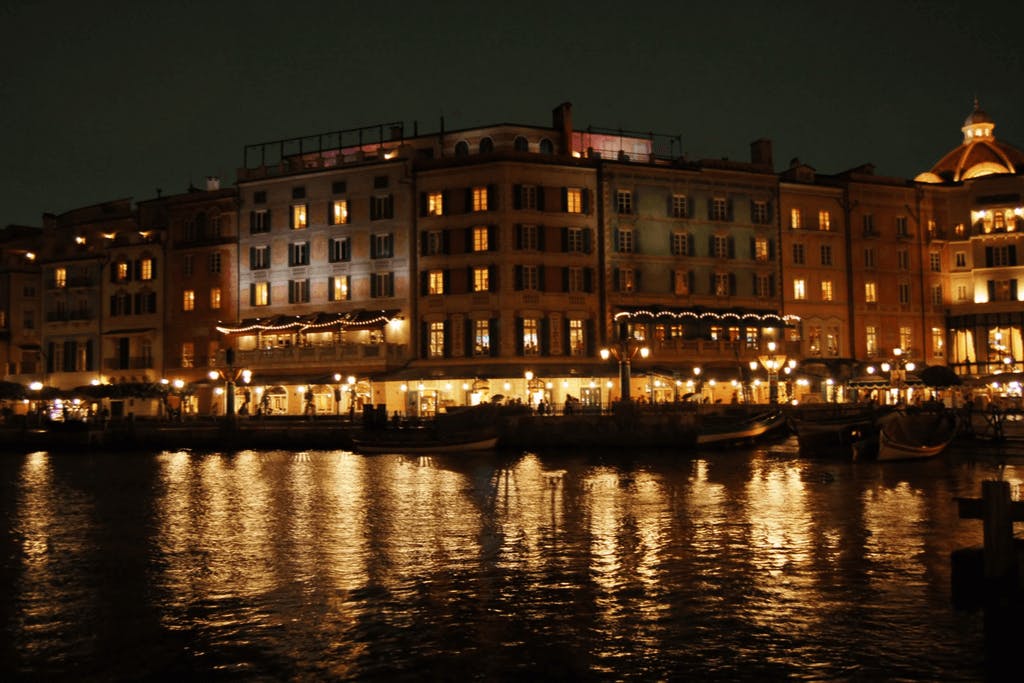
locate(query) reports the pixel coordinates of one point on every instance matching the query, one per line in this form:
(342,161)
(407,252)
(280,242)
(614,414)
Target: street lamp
(624,351)
(897,369)
(773,362)
(230,376)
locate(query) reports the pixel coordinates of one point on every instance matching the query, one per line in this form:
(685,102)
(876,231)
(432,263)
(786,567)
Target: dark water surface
(745,564)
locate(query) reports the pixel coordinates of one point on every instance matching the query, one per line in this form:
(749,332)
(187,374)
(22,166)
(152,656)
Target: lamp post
(230,376)
(625,350)
(773,362)
(897,369)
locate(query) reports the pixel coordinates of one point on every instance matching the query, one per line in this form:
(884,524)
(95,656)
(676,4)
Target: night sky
(104,105)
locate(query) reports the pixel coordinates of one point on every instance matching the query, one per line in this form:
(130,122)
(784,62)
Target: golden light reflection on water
(893,518)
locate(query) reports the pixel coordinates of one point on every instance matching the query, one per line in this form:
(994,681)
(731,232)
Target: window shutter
(493,332)
(728,210)
(565,279)
(152,302)
(545,337)
(424,340)
(470,282)
(468,240)
(566,343)
(252,293)
(468,206)
(590,337)
(991,289)
(423,203)
(1013,255)
(565,239)
(616,280)
(711,283)
(540,279)
(711,245)
(446,281)
(268,221)
(587,240)
(113,304)
(447,331)
(565,199)
(424,283)
(585,200)
(445,203)
(492,197)
(49,357)
(541,237)
(771,285)
(138,301)
(540,198)
(588,280)
(669,208)
(89,357)
(690,282)
(517,197)
(492,238)
(468,336)
(330,288)
(252,221)
(615,239)
(690,246)
(445,242)
(518,278)
(373,285)
(989,259)
(423,243)
(492,278)
(638,280)
(753,249)
(291,291)
(732,284)
(732,247)
(113,272)
(771,250)
(1013,289)
(519,336)
(519,236)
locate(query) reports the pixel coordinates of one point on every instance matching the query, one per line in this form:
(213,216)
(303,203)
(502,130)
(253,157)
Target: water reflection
(334,565)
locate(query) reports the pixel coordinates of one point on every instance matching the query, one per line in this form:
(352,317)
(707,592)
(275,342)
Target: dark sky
(98,105)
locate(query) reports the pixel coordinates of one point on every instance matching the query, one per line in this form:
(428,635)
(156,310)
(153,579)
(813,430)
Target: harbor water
(744,564)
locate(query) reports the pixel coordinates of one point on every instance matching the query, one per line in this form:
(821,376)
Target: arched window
(546,147)
(462,148)
(520,144)
(486,146)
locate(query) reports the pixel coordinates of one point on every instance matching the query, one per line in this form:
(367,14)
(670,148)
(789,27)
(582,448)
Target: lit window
(121,268)
(574,200)
(481,279)
(824,220)
(577,339)
(215,298)
(938,342)
(761,250)
(870,295)
(435,282)
(799,289)
(479,199)
(60,277)
(723,284)
(530,337)
(794,219)
(339,212)
(337,288)
(261,294)
(481,337)
(146,269)
(480,238)
(871,338)
(436,348)
(906,338)
(826,290)
(298,216)
(188,300)
(681,282)
(435,204)
(188,355)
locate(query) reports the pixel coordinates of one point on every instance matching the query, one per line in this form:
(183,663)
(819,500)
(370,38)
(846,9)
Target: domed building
(980,154)
(975,195)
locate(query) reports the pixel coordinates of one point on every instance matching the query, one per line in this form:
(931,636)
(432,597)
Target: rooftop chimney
(561,120)
(761,153)
(212,183)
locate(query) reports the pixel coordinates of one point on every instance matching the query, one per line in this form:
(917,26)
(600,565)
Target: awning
(357,319)
(738,316)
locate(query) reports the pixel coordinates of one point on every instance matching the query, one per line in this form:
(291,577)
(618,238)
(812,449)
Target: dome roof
(980,154)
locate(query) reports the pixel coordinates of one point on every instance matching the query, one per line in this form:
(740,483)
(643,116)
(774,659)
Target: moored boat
(910,436)
(724,430)
(422,441)
(830,435)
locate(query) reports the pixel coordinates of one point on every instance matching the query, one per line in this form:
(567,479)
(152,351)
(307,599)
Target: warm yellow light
(94,382)
(337,377)
(35,386)
(163,381)
(79,240)
(911,366)
(871,369)
(529,375)
(605,354)
(352,380)
(886,367)
(696,371)
(771,347)
(644,352)
(179,383)
(30,256)
(218,391)
(465,387)
(403,388)
(507,386)
(753,365)
(213,374)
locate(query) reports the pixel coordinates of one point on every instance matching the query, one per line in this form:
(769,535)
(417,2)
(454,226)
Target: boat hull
(754,429)
(915,437)
(415,447)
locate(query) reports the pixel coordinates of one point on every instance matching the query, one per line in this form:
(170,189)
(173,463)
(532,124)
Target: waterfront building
(976,190)
(193,284)
(20,304)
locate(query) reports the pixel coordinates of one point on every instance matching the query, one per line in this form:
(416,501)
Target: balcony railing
(332,355)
